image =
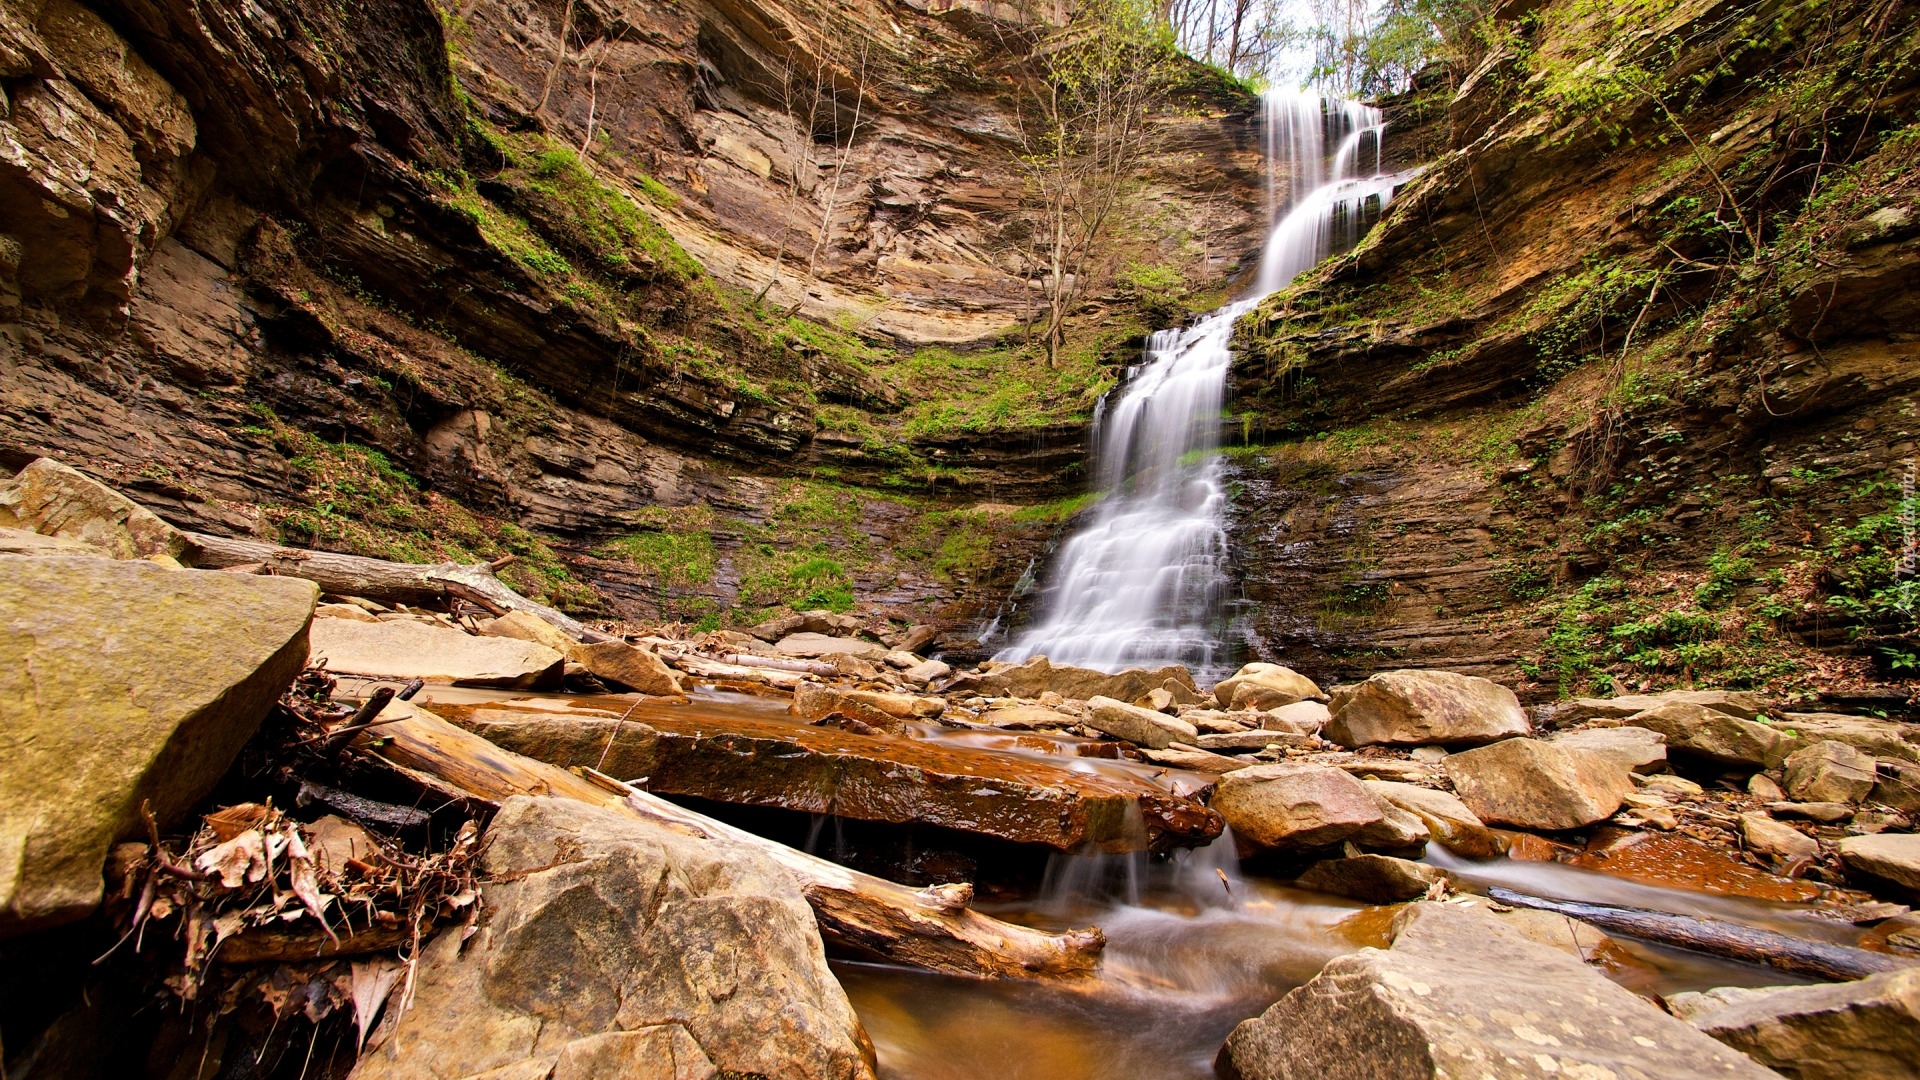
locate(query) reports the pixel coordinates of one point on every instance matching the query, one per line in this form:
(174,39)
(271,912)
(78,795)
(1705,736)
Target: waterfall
(1145,581)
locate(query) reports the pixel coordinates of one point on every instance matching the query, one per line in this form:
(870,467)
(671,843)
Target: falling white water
(1146,579)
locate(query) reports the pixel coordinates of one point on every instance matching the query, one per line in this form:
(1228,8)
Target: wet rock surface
(1291,807)
(1459,994)
(827,771)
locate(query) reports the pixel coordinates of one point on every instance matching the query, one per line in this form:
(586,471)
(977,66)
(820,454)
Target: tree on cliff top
(1082,131)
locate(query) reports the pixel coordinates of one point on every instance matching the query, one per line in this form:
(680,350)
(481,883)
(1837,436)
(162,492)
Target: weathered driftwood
(1819,959)
(378,579)
(932,929)
(805,667)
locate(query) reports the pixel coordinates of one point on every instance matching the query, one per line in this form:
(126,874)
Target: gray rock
(1893,857)
(1376,879)
(1703,733)
(1829,771)
(617,947)
(123,683)
(1864,1030)
(1461,995)
(1635,749)
(1424,708)
(1137,725)
(1289,807)
(406,649)
(1538,785)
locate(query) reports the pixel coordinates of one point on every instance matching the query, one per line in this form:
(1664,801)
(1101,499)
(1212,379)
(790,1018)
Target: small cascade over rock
(1145,580)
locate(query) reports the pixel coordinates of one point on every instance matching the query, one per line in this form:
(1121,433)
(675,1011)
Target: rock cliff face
(1621,388)
(412,281)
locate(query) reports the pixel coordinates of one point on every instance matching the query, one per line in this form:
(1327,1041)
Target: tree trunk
(927,928)
(377,579)
(1798,956)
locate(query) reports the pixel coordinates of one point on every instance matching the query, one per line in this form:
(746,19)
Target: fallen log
(1819,959)
(804,667)
(932,929)
(378,579)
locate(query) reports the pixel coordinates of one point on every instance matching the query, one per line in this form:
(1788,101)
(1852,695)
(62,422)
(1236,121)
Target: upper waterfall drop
(1146,580)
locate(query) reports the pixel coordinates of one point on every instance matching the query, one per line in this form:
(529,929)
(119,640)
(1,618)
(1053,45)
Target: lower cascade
(1146,580)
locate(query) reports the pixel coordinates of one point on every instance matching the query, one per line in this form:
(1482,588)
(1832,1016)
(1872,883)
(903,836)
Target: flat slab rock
(404,649)
(1461,995)
(1868,1029)
(809,646)
(872,778)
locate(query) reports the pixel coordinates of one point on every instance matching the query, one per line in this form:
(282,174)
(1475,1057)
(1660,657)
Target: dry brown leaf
(373,983)
(240,860)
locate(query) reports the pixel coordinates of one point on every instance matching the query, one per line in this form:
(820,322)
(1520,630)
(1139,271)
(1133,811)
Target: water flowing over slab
(872,778)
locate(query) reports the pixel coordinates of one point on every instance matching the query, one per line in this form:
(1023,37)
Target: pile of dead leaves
(253,885)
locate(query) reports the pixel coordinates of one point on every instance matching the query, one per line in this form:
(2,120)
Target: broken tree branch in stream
(378,579)
(1819,959)
(931,928)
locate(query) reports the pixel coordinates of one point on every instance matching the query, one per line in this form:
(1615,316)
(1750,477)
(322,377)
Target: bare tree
(1083,128)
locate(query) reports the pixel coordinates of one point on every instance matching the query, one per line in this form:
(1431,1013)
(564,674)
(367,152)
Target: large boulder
(616,947)
(624,665)
(1766,836)
(526,626)
(1830,771)
(1635,749)
(814,701)
(1716,737)
(54,500)
(1448,820)
(1144,727)
(1265,686)
(1881,738)
(405,649)
(1863,1030)
(1538,785)
(1376,879)
(1461,995)
(1892,857)
(1424,708)
(123,683)
(1290,807)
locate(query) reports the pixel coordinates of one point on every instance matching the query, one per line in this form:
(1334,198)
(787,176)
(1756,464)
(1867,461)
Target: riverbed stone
(1038,675)
(820,770)
(1302,716)
(1461,995)
(1424,708)
(1635,749)
(526,626)
(1538,785)
(624,665)
(1145,727)
(1265,686)
(1743,704)
(406,649)
(1893,857)
(1376,879)
(927,672)
(810,646)
(813,701)
(123,683)
(1868,1029)
(1027,718)
(614,947)
(1881,738)
(1829,771)
(1719,738)
(1772,838)
(1448,820)
(1289,807)
(57,500)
